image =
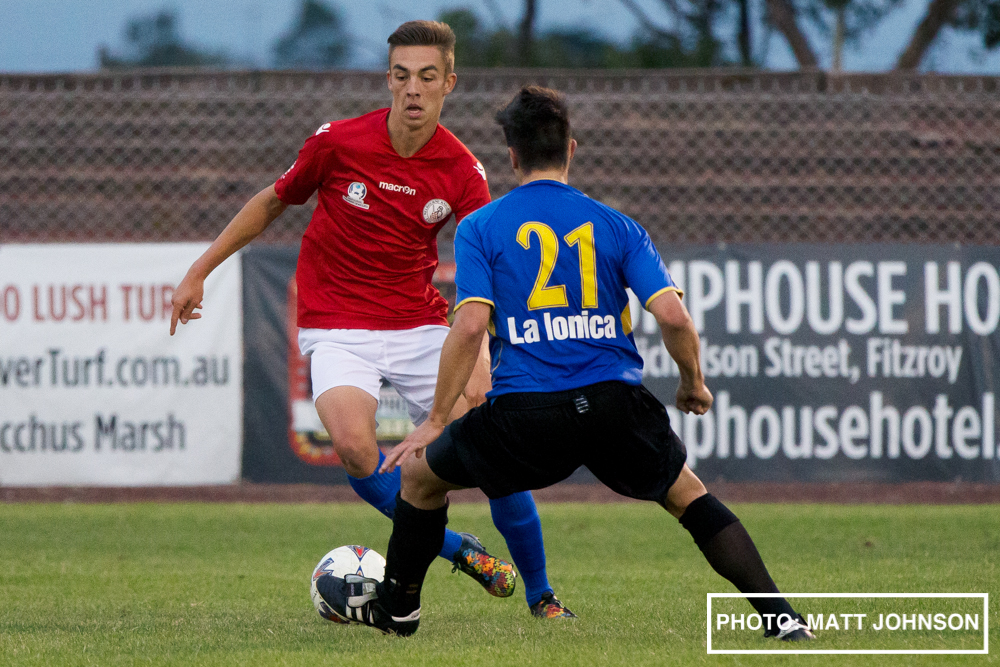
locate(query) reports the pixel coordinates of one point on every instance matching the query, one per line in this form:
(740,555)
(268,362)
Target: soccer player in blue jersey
(545,270)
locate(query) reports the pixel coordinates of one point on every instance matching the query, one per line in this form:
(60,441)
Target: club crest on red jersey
(436,210)
(356,195)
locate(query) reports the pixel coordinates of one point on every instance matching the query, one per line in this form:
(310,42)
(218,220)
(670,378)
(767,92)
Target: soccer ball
(352,559)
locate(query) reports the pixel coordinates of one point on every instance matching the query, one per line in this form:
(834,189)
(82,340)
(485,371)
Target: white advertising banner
(93,389)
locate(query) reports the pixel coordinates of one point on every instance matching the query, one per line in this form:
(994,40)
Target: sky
(64,35)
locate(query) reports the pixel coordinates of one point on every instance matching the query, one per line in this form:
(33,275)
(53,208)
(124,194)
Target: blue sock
(377,490)
(452,543)
(380,491)
(516,517)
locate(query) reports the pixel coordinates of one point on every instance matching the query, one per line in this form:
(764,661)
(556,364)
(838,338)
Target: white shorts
(407,359)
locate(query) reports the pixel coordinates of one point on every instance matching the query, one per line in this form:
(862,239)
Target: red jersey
(370,250)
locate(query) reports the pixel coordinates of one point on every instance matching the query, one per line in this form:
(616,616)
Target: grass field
(227,584)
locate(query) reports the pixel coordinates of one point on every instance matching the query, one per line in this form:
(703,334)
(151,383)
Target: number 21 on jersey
(544,295)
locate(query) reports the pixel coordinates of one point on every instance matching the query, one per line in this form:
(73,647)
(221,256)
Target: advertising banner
(94,391)
(285,440)
(838,362)
(828,363)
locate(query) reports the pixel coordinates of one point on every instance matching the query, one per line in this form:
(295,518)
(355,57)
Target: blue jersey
(554,264)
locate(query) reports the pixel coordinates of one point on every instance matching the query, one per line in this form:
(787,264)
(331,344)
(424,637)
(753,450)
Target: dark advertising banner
(827,362)
(838,362)
(276,378)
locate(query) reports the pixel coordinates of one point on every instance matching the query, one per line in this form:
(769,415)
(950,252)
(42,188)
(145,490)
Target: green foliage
(154,41)
(317,40)
(477,46)
(227,584)
(980,16)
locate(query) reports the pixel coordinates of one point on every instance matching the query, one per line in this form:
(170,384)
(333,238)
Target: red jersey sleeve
(306,174)
(477,191)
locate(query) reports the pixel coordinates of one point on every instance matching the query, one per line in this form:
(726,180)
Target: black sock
(730,551)
(417,537)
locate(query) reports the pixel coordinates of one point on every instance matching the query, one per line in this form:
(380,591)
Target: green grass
(227,584)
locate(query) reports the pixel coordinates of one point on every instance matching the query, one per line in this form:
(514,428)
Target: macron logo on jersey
(481,170)
(392,187)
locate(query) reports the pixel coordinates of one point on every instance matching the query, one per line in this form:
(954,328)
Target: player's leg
(413,372)
(648,464)
(731,552)
(494,450)
(516,517)
(348,413)
(417,534)
(346,381)
(393,605)
(504,438)
(418,527)
(722,538)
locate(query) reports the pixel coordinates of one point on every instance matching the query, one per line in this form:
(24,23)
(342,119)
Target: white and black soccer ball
(351,559)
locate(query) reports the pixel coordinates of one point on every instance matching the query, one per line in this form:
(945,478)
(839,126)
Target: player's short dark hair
(426,33)
(536,125)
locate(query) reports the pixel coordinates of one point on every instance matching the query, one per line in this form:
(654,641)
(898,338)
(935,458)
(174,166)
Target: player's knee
(705,518)
(683,492)
(348,414)
(420,486)
(359,458)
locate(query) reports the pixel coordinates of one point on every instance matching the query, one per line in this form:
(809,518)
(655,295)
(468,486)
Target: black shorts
(527,441)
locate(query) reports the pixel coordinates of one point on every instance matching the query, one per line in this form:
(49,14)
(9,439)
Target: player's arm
(252,219)
(459,356)
(476,195)
(480,381)
(681,340)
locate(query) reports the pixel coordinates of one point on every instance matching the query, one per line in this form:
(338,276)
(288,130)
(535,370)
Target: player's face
(419,82)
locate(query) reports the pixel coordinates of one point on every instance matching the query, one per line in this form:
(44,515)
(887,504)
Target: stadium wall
(812,185)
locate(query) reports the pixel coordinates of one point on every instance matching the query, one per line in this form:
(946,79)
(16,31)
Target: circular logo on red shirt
(435,211)
(357,191)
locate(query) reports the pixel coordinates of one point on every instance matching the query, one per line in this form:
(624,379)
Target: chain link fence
(696,157)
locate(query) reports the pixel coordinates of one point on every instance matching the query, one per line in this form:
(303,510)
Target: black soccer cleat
(795,630)
(496,575)
(550,607)
(356,599)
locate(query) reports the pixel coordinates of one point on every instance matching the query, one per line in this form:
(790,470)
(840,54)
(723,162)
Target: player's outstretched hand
(415,443)
(696,399)
(187,297)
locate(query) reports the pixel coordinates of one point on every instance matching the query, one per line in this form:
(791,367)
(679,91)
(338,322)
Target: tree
(691,41)
(475,46)
(154,41)
(980,16)
(841,21)
(852,18)
(526,34)
(783,16)
(802,22)
(317,40)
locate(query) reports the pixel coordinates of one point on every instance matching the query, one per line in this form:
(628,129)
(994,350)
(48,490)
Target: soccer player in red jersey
(388,181)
